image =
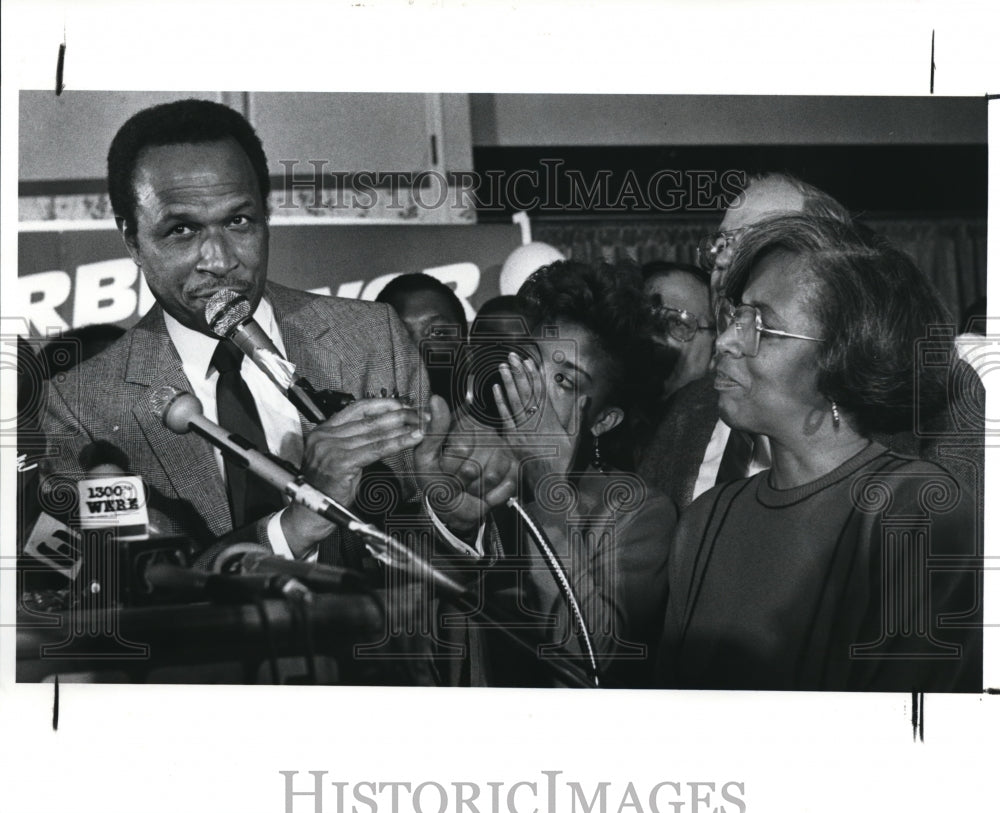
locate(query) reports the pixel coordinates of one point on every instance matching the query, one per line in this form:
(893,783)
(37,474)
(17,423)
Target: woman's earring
(836,414)
(597,455)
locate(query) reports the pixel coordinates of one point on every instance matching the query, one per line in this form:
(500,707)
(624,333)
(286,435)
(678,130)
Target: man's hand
(464,469)
(338,449)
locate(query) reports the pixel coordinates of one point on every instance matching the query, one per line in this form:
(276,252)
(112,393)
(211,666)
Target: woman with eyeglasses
(844,566)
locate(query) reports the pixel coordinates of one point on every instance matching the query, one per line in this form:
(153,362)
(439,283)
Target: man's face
(200,227)
(428,315)
(431,323)
(680,292)
(760,200)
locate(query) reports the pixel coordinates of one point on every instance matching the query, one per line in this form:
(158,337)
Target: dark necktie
(250,498)
(736,457)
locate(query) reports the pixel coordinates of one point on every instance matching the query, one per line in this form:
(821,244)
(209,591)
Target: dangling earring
(836,414)
(598,464)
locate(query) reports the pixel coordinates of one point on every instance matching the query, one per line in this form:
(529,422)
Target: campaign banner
(76,277)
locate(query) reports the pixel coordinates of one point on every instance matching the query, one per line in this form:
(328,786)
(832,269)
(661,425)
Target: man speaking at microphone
(189,185)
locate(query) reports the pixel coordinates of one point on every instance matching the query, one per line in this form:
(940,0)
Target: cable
(302,616)
(398,556)
(564,585)
(265,625)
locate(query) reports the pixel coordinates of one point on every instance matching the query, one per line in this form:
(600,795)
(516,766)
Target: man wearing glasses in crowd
(692,449)
(764,196)
(681,307)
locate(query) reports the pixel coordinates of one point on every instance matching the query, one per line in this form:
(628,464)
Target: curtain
(951,251)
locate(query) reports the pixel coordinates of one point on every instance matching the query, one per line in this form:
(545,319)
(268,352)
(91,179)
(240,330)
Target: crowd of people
(682,476)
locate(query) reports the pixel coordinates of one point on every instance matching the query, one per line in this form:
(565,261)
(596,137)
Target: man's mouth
(725,382)
(208,293)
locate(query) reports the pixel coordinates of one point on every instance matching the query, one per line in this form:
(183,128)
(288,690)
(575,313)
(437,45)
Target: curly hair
(608,302)
(664,268)
(874,305)
(187,121)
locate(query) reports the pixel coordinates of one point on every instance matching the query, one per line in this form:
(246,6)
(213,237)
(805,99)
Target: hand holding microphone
(348,436)
(338,450)
(181,413)
(347,439)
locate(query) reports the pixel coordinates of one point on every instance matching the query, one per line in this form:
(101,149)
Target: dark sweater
(832,585)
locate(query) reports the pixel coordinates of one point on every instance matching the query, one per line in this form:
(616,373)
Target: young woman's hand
(535,433)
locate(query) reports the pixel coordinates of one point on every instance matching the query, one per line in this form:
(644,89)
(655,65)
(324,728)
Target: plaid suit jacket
(341,344)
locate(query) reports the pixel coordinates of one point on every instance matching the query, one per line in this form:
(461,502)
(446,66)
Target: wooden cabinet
(66,138)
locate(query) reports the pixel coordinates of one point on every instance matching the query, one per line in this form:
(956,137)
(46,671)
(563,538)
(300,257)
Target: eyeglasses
(749,326)
(679,324)
(712,245)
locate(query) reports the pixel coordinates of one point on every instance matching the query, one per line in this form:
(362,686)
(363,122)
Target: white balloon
(523,262)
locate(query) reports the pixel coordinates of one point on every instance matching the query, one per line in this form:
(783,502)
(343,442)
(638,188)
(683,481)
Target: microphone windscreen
(175,408)
(225,310)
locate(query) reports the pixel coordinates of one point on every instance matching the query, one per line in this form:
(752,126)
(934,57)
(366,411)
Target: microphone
(255,559)
(181,412)
(228,315)
(225,588)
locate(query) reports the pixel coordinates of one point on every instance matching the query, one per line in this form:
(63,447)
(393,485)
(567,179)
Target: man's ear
(609,418)
(129,239)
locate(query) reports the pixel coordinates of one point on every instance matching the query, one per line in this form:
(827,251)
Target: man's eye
(180,230)
(239,220)
(563,380)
